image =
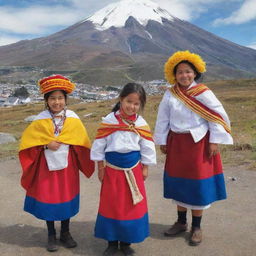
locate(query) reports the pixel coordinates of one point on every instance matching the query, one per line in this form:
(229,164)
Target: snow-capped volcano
(116,14)
(128,40)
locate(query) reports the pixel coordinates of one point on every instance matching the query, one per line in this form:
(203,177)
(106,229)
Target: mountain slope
(130,39)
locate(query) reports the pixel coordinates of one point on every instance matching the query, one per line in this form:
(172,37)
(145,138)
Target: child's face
(185,75)
(56,101)
(130,104)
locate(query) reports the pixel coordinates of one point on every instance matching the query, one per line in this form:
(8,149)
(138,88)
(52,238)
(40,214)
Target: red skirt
(191,176)
(187,159)
(118,218)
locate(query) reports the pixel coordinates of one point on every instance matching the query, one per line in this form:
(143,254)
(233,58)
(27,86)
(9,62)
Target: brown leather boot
(195,236)
(175,229)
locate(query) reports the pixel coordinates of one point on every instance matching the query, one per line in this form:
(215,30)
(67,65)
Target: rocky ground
(229,227)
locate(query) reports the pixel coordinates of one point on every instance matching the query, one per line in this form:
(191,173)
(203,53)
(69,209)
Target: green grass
(238,98)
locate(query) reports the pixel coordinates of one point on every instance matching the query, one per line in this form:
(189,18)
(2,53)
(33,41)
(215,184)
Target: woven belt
(135,192)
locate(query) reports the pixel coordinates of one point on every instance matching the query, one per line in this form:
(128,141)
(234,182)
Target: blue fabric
(51,212)
(129,231)
(195,192)
(124,160)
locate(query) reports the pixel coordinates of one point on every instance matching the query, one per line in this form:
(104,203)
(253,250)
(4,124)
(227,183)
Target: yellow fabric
(196,90)
(41,132)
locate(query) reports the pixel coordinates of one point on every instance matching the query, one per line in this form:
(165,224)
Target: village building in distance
(84,92)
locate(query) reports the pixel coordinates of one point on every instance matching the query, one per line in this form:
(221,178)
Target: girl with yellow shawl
(53,148)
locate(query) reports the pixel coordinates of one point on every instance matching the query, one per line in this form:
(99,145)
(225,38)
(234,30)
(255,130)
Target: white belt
(135,192)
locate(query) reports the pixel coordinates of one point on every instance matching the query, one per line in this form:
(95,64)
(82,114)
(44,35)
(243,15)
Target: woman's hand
(101,170)
(163,149)
(144,171)
(213,149)
(53,145)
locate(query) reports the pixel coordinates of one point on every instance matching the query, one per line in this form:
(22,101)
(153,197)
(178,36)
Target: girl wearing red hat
(53,148)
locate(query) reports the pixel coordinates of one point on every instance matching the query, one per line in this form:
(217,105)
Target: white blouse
(174,115)
(124,142)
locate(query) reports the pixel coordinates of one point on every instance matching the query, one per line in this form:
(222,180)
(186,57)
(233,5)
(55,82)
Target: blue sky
(234,20)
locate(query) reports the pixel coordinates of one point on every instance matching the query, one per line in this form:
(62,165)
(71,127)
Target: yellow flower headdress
(179,56)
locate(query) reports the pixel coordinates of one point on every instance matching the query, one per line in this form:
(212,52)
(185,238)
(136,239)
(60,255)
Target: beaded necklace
(58,127)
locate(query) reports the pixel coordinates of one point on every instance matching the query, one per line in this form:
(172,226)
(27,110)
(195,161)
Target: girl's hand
(213,149)
(101,170)
(145,171)
(101,173)
(163,149)
(53,145)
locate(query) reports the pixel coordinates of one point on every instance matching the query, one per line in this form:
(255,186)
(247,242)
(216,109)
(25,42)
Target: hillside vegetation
(238,98)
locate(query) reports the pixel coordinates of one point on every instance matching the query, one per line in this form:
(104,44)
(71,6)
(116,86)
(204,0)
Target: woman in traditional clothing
(53,148)
(191,122)
(123,149)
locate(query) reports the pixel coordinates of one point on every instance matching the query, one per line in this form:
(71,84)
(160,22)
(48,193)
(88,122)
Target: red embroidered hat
(56,82)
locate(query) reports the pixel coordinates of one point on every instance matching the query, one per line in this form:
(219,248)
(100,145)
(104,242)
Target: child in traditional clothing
(53,148)
(191,122)
(123,150)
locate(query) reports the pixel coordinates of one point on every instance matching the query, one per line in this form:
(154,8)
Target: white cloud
(40,20)
(246,13)
(4,40)
(35,19)
(253,46)
(189,10)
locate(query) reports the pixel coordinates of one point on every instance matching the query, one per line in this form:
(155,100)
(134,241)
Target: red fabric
(53,186)
(85,164)
(115,197)
(52,77)
(187,159)
(29,159)
(125,116)
(204,107)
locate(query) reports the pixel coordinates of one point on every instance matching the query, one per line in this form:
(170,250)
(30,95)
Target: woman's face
(185,75)
(56,101)
(130,104)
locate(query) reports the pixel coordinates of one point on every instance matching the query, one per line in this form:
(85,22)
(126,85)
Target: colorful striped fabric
(196,106)
(106,129)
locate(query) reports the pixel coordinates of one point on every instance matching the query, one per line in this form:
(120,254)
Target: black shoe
(67,240)
(127,250)
(111,250)
(52,244)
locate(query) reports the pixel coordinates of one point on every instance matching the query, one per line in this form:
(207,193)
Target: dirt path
(229,227)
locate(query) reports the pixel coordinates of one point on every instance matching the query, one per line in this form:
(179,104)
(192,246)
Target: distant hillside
(237,96)
(113,48)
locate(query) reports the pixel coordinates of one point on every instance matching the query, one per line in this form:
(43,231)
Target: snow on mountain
(116,14)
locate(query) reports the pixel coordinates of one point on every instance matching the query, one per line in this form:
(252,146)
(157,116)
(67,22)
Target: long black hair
(198,75)
(131,88)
